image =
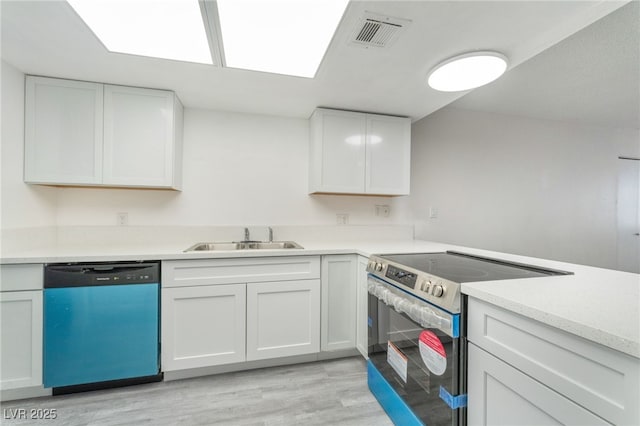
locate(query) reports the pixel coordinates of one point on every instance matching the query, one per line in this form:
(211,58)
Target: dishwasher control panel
(91,274)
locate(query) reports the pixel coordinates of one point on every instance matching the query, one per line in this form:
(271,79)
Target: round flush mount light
(467,71)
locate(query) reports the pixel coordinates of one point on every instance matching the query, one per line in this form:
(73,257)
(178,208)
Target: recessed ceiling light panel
(168,29)
(278,36)
(467,71)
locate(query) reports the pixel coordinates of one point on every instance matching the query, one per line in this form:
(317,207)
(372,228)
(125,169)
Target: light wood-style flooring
(321,393)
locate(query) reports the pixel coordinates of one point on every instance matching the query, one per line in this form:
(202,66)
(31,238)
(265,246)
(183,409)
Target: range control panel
(401,276)
(440,292)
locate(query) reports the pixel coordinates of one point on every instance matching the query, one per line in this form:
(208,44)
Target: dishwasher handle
(93,274)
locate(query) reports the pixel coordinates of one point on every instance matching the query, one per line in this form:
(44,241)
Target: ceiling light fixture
(467,71)
(278,36)
(167,29)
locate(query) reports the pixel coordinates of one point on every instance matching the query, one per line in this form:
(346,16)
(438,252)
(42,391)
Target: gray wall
(519,185)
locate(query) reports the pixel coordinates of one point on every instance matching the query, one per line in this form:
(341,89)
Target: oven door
(415,366)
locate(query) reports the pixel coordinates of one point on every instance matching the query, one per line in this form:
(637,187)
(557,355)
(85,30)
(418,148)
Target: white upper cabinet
(63,132)
(359,153)
(388,155)
(140,135)
(80,133)
(337,152)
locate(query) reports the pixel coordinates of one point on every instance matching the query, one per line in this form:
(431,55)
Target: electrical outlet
(433,212)
(342,219)
(122,218)
(383,210)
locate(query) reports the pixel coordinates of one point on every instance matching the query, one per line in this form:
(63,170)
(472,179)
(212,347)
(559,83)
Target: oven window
(415,361)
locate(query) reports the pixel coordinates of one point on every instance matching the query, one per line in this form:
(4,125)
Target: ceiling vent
(374,30)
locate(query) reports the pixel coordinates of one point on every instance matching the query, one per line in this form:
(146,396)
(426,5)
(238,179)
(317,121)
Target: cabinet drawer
(602,379)
(184,273)
(21,277)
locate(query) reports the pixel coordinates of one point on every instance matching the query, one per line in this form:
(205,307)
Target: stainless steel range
(417,331)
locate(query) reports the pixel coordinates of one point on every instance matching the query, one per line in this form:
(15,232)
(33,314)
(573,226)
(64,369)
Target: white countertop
(597,304)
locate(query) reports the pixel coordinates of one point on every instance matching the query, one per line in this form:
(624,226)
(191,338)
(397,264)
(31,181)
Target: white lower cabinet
(522,371)
(362,310)
(338,329)
(283,319)
(21,339)
(502,395)
(203,326)
(21,320)
(228,311)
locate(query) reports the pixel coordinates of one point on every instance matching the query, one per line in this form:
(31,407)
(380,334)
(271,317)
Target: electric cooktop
(436,277)
(463,268)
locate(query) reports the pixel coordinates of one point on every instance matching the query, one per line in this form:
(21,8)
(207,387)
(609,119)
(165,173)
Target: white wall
(20,205)
(534,187)
(239,169)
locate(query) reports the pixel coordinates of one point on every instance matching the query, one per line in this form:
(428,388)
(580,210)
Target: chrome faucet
(270,235)
(246,234)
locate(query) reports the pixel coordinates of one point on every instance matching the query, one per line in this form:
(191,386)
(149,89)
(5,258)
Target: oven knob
(438,290)
(378,267)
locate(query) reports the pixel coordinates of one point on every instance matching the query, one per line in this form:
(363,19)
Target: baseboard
(24,393)
(252,365)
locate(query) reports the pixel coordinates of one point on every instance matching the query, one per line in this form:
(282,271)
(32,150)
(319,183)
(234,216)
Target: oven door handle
(420,312)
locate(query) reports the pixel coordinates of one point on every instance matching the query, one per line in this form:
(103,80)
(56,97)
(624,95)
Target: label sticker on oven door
(397,360)
(432,352)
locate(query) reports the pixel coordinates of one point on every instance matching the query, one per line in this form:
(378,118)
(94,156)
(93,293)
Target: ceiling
(591,77)
(48,38)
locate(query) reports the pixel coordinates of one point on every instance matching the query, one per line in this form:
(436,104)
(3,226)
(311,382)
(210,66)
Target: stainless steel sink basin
(245,245)
(214,246)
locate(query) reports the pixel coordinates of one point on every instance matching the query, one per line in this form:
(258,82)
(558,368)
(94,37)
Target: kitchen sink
(245,245)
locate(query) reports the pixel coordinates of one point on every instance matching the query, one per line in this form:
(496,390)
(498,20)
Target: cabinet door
(338,330)
(21,339)
(63,131)
(283,319)
(203,326)
(362,312)
(337,152)
(138,137)
(502,395)
(388,155)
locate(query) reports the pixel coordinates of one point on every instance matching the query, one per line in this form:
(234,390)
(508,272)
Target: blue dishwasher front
(101,325)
